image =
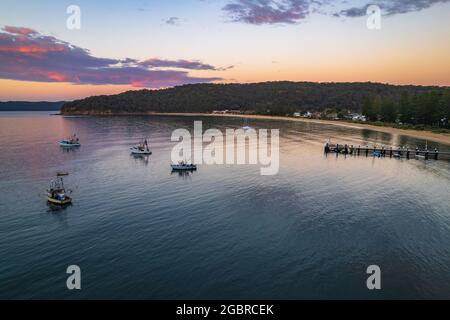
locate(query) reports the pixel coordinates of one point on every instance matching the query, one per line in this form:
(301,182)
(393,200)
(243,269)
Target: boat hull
(64,202)
(66,144)
(140,153)
(184,168)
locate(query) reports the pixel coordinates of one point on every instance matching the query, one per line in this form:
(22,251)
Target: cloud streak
(27,55)
(180,64)
(260,12)
(391,7)
(268,11)
(173,21)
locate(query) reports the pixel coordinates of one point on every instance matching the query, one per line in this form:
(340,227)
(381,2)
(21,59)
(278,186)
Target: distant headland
(31,106)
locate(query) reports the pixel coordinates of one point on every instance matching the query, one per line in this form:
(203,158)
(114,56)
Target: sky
(137,44)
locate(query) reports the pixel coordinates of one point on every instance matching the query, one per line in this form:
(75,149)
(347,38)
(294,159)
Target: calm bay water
(139,231)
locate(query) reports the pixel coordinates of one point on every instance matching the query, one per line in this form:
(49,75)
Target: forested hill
(268,97)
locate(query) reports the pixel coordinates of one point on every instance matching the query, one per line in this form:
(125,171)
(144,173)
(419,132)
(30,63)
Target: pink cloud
(27,55)
(19,30)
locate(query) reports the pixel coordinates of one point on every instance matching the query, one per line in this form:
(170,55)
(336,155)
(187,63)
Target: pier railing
(386,152)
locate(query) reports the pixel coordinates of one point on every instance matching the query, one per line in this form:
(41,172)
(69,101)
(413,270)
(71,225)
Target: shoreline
(426,135)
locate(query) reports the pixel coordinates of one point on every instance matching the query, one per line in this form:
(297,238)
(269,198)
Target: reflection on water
(70,150)
(143,159)
(138,230)
(370,136)
(185,174)
(53,208)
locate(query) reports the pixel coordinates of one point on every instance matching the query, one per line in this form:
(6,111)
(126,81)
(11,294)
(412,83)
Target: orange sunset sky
(149,44)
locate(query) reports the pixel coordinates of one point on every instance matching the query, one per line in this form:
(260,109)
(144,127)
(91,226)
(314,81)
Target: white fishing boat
(184,166)
(72,142)
(57,194)
(141,149)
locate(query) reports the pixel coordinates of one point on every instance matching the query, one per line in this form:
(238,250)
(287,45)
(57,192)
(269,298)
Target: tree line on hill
(427,109)
(380,102)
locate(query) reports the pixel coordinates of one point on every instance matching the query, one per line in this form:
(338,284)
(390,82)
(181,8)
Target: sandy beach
(436,137)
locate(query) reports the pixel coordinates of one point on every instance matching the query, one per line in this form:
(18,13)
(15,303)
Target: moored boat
(57,194)
(184,166)
(72,142)
(141,149)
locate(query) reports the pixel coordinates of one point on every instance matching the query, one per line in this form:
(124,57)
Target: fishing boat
(72,142)
(57,194)
(184,166)
(141,149)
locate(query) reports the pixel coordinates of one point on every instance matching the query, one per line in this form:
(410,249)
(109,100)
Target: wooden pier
(383,152)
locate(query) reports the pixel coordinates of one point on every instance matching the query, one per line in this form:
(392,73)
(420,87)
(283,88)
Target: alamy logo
(374,281)
(229,149)
(374,19)
(74,20)
(74,280)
